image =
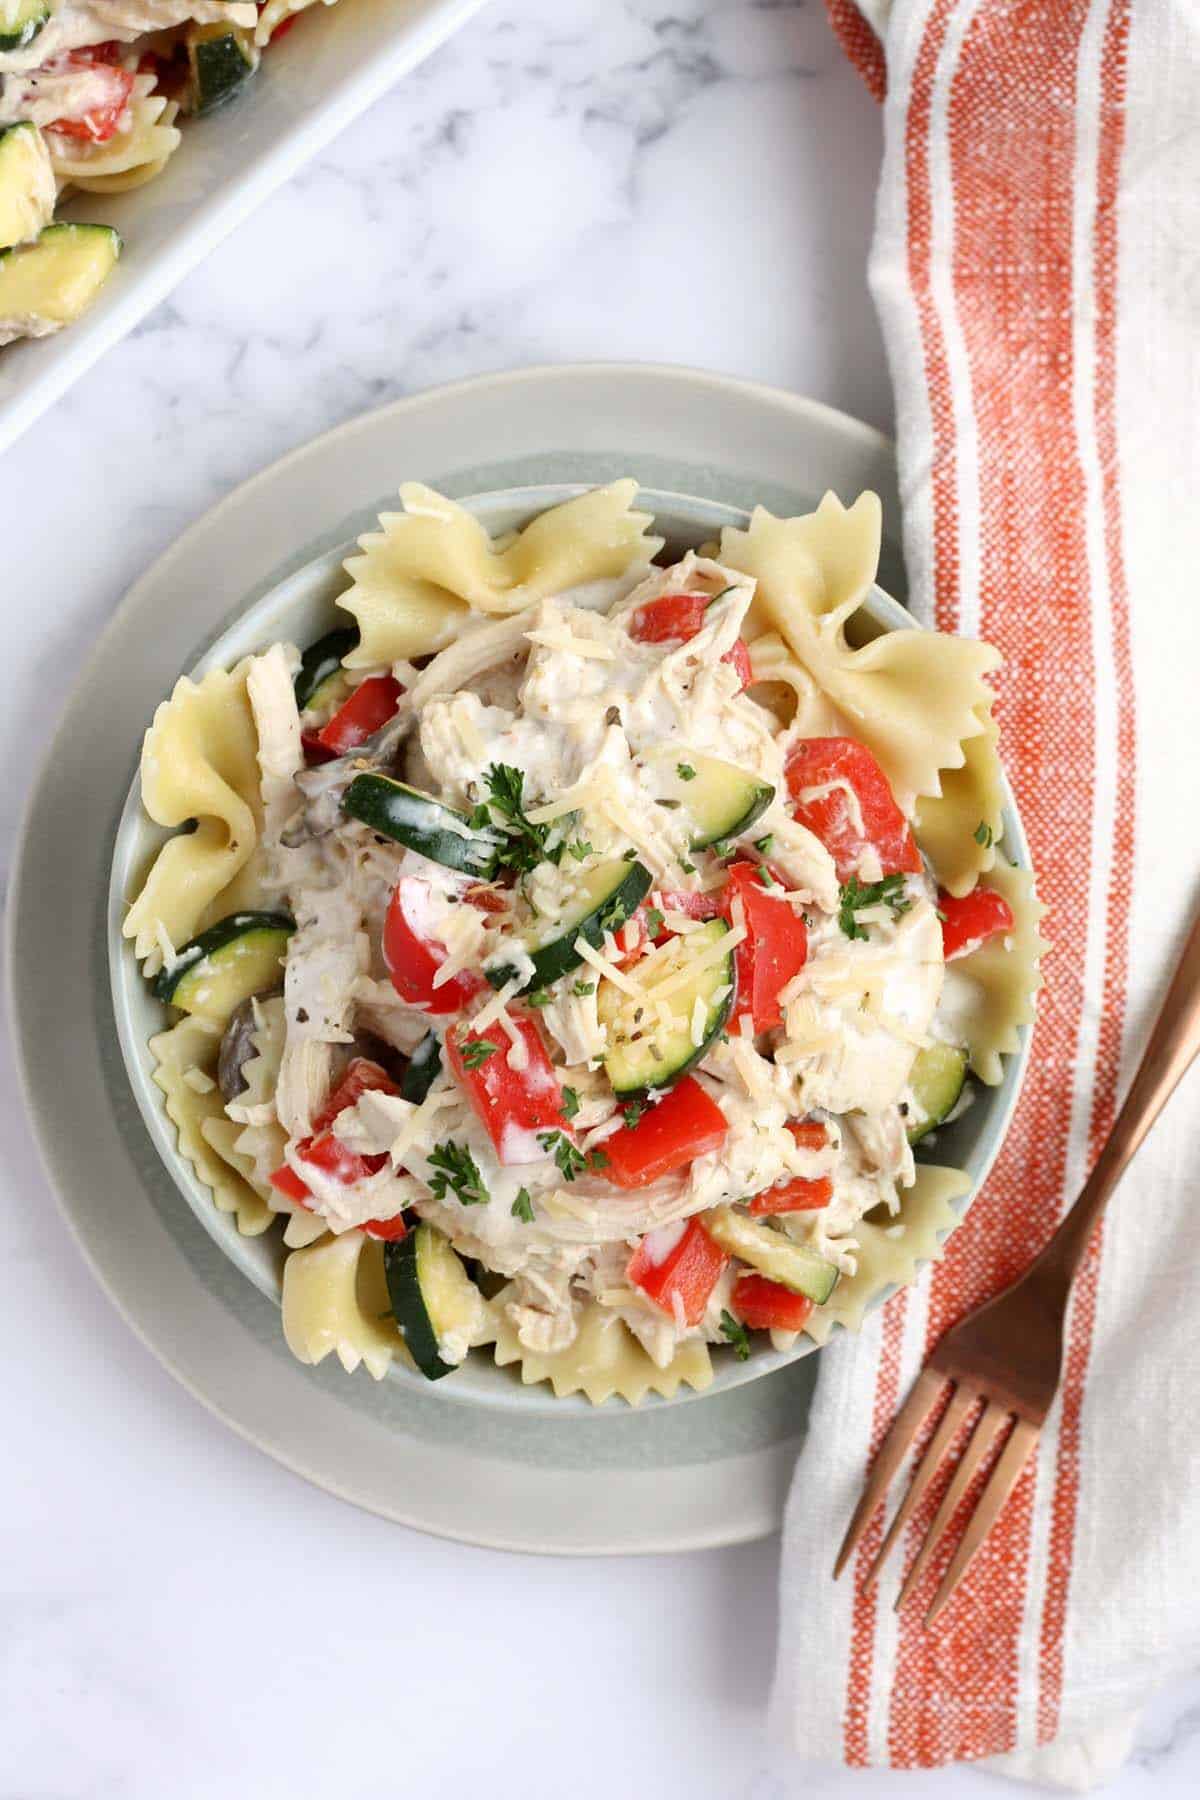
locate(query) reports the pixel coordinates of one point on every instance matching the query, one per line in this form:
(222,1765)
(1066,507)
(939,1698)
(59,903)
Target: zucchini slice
(794,1266)
(236,957)
(936,1081)
(221,60)
(644,1051)
(321,681)
(602,900)
(47,284)
(434,1301)
(21,21)
(27,187)
(423,1069)
(721,800)
(417,821)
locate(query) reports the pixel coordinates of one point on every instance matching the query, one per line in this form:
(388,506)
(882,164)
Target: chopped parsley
(685,771)
(654,921)
(477,1052)
(456,1168)
(632,1112)
(581,989)
(765,876)
(570,1103)
(539,997)
(689,868)
(764,844)
(522,1207)
(580,849)
(737,1335)
(523,845)
(854,897)
(614,914)
(571,1162)
(630,855)
(598,1159)
(983,834)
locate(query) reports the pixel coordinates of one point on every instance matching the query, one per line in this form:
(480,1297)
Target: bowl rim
(493,1388)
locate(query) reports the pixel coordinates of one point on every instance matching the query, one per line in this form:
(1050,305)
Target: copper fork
(1003,1361)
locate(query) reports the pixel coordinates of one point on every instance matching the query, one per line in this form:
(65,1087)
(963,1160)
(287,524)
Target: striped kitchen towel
(1036,269)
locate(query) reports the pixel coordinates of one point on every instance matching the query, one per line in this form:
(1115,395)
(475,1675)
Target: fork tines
(992,1422)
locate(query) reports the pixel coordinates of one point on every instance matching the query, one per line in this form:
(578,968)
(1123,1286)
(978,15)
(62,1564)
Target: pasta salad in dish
(90,92)
(570,950)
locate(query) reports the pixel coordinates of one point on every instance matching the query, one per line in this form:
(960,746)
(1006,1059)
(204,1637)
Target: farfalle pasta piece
(891,1251)
(959,828)
(275,12)
(199,761)
(186,1067)
(604,1361)
(999,982)
(428,566)
(785,686)
(129,158)
(335,1301)
(913,697)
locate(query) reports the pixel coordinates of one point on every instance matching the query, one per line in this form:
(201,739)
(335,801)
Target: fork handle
(1173,1046)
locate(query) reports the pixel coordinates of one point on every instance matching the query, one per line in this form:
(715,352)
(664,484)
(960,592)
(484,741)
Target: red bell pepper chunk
(371,705)
(800,1193)
(819,772)
(774,949)
(971,920)
(326,1152)
(763,1305)
(810,1134)
(103,120)
(669,1134)
(514,1105)
(688,1272)
(674,618)
(363,1076)
(413,956)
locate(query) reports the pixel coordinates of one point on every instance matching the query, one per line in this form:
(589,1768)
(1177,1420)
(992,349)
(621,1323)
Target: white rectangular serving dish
(314,82)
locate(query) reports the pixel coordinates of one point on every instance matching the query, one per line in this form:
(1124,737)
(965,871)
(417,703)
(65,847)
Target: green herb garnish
(522,1206)
(570,1103)
(632,1112)
(580,849)
(539,997)
(456,1169)
(581,989)
(523,844)
(654,921)
(737,1335)
(983,834)
(477,1052)
(571,1162)
(764,844)
(765,876)
(685,771)
(853,898)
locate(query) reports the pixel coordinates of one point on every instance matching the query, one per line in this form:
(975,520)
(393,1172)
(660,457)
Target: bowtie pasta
(578,946)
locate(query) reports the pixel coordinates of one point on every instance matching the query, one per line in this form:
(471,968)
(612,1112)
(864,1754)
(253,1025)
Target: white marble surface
(684,180)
